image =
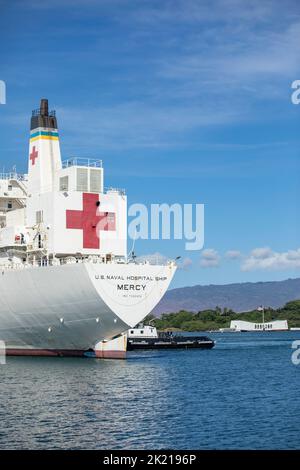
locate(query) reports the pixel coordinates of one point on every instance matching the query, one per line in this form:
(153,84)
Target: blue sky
(185,101)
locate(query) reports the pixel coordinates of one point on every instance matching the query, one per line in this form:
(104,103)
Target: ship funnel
(44,107)
(41,117)
(44,150)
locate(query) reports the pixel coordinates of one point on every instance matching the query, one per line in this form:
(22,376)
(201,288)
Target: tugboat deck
(171,342)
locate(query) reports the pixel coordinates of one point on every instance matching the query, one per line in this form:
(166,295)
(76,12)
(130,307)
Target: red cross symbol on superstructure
(34,154)
(90,220)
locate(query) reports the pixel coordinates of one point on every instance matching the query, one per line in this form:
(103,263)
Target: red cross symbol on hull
(90,220)
(33,156)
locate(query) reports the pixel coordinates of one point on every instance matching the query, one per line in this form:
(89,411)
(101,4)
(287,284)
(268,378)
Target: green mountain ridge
(240,297)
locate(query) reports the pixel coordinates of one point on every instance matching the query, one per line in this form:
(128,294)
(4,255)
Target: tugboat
(147,337)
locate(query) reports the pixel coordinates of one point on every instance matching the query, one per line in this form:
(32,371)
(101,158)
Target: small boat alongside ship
(147,337)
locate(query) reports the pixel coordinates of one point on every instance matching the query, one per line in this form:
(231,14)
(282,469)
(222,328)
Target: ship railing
(120,191)
(82,161)
(41,260)
(44,262)
(11,196)
(13,176)
(38,112)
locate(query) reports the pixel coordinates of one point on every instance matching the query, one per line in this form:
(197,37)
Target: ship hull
(108,354)
(45,352)
(68,309)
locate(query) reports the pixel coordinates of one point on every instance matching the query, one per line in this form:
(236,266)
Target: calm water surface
(244,393)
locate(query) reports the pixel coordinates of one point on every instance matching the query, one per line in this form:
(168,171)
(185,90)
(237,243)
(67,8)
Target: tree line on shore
(220,318)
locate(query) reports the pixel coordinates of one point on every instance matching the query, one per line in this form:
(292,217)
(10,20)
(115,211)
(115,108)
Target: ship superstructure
(66,282)
(13,193)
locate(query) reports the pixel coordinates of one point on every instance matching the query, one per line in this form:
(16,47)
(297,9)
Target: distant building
(240,325)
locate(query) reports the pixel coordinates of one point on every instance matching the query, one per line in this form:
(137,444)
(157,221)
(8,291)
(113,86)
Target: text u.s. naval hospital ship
(66,285)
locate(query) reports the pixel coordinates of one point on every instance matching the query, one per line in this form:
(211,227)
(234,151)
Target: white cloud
(153,258)
(248,64)
(185,264)
(261,258)
(209,258)
(261,253)
(233,254)
(266,259)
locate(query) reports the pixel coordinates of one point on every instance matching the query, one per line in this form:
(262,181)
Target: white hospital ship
(66,284)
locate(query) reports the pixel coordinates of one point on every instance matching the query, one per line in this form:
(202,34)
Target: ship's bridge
(81,174)
(84,174)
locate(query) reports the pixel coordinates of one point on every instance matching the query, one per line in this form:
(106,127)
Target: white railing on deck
(58,261)
(115,190)
(83,161)
(13,176)
(11,265)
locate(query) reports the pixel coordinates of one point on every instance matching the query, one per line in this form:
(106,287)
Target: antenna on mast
(131,253)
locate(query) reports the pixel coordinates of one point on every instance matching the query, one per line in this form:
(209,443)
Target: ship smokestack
(44,151)
(44,107)
(41,117)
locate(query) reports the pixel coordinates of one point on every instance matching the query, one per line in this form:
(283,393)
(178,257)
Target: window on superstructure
(39,217)
(9,205)
(95,181)
(82,179)
(64,183)
(9,187)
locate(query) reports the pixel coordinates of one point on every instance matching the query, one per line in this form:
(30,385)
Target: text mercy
(131,287)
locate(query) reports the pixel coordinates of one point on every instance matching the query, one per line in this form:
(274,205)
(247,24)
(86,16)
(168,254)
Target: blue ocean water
(243,394)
